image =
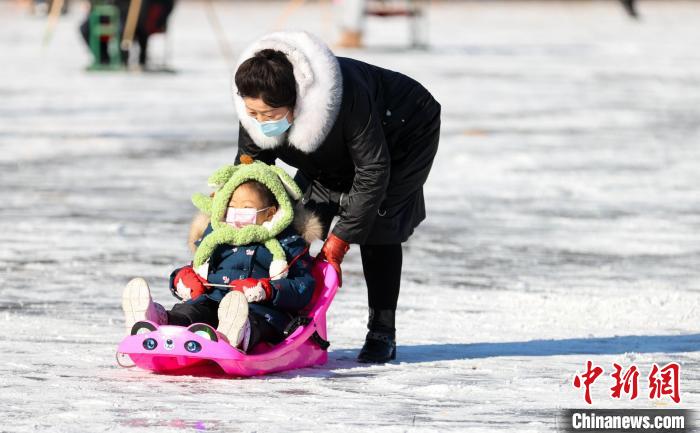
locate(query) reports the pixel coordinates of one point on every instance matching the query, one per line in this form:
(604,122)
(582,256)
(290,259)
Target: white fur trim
(319,90)
(278,269)
(197,227)
(307,223)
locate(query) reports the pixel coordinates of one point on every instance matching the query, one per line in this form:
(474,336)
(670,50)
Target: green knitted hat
(226,180)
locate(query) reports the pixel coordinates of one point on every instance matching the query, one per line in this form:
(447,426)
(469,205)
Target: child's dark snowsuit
(268,319)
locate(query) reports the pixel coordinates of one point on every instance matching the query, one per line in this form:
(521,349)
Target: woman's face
(259,110)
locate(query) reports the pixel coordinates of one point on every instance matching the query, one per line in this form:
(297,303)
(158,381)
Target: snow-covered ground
(564,221)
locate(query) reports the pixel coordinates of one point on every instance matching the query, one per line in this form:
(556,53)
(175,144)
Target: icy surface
(564,221)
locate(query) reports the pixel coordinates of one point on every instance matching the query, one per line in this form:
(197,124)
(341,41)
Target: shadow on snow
(570,346)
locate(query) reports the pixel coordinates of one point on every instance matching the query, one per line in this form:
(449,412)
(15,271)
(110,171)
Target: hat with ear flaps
(226,179)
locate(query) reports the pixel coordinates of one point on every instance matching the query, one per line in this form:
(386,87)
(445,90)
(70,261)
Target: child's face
(246,196)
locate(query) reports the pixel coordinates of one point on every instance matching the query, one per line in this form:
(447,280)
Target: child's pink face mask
(241,217)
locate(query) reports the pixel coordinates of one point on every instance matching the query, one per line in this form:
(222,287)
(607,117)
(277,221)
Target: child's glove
(255,290)
(188,284)
(333,251)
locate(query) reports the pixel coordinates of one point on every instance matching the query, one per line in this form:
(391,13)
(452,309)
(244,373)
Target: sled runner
(199,349)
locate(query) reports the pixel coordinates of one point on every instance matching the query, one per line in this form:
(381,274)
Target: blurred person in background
(86,30)
(152,18)
(630,7)
(352,23)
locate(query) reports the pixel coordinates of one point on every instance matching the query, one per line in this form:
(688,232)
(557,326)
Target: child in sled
(251,271)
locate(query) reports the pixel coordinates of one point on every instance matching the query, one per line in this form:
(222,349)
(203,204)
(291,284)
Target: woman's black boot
(380,343)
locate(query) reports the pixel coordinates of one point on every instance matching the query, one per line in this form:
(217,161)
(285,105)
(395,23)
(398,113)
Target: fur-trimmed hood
(319,90)
(226,180)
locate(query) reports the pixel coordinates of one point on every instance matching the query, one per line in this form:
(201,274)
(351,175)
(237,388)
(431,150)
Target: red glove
(187,279)
(333,251)
(255,290)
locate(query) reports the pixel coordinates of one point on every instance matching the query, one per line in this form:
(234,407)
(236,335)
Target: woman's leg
(382,268)
(401,211)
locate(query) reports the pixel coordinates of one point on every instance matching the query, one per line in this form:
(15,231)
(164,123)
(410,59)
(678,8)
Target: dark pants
(381,264)
(630,7)
(205,311)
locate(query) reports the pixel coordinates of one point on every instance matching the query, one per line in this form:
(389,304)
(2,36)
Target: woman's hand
(333,251)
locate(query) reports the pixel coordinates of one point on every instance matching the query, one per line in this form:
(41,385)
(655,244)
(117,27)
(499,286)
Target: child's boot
(138,305)
(233,319)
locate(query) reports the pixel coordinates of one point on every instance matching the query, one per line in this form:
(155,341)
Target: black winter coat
(373,162)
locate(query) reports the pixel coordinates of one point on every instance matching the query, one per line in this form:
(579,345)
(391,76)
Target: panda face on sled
(176,340)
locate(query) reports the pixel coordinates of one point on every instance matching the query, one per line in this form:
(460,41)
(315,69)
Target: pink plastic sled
(199,349)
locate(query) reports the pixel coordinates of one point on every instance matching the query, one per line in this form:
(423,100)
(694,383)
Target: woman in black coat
(363,140)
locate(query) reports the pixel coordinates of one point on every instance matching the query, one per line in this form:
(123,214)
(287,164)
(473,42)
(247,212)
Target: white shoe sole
(135,301)
(233,313)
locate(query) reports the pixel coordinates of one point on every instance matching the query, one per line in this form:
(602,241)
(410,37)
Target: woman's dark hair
(264,192)
(268,75)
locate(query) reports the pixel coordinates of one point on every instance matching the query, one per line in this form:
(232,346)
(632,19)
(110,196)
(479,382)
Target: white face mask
(240,217)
